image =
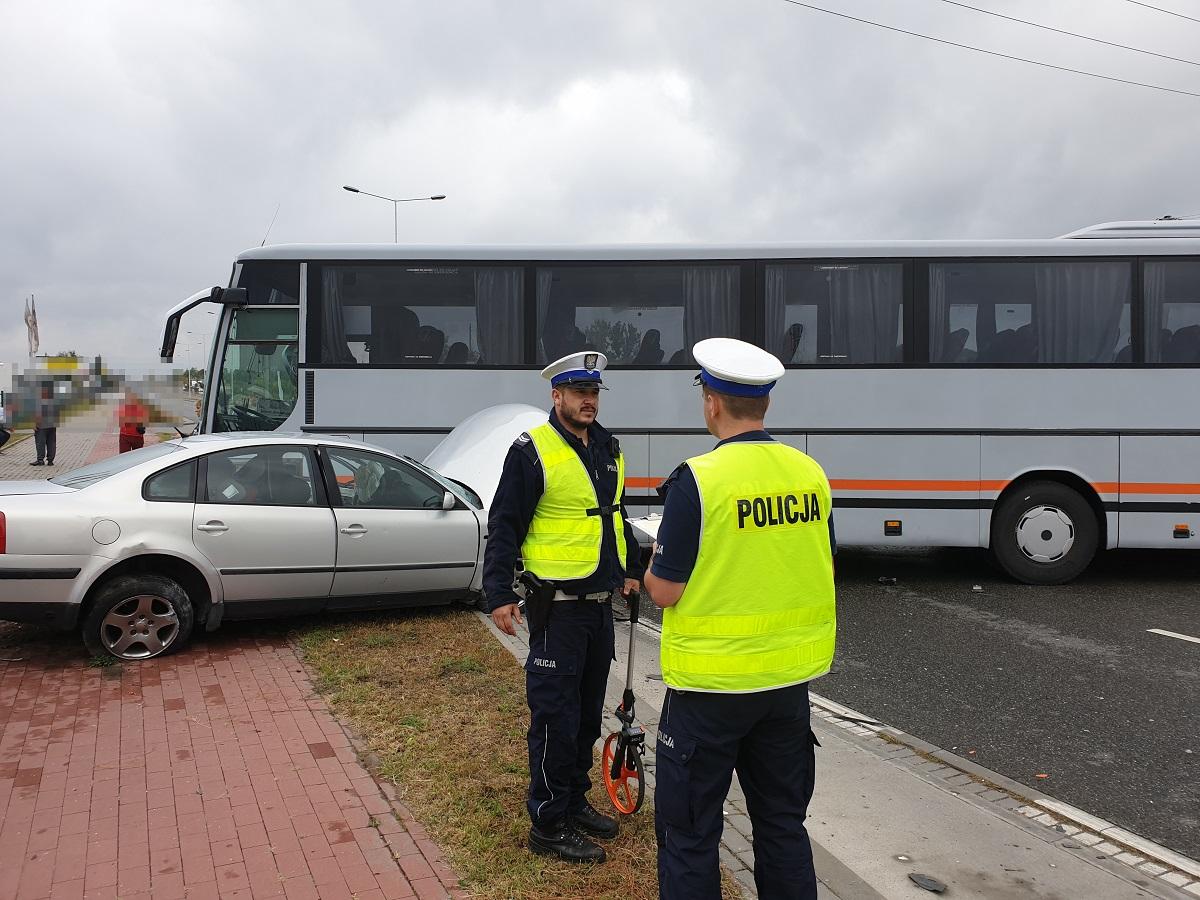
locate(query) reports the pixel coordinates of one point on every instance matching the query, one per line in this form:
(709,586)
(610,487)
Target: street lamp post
(395,206)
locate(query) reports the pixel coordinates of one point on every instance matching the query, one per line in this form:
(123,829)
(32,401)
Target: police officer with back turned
(743,570)
(558,506)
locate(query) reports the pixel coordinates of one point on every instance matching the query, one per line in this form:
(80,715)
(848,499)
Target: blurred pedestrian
(45,427)
(133,417)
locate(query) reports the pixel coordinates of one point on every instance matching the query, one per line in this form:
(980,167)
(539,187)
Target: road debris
(887,579)
(928,882)
(977,588)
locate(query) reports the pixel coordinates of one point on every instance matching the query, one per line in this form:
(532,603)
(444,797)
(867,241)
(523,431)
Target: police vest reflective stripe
(564,538)
(758,611)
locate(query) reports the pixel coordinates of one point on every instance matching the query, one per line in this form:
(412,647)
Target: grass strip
(441,704)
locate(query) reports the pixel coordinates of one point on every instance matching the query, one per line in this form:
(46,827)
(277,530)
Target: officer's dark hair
(752,409)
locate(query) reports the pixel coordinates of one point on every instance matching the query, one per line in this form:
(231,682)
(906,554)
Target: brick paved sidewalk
(217,772)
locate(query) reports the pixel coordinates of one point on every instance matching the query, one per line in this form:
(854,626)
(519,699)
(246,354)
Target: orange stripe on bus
(966,486)
(1151,487)
(643,482)
(873,484)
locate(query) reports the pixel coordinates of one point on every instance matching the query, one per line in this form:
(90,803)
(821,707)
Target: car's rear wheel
(138,617)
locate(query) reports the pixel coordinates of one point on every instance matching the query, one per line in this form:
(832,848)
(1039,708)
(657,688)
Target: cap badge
(589,361)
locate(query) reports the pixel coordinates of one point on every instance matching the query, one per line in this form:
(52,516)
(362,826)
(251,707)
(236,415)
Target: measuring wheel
(624,776)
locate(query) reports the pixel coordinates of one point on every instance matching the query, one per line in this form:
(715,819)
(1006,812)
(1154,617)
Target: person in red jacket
(133,417)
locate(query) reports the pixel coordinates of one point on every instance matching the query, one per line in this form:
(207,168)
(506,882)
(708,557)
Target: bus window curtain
(1154,291)
(776,323)
(1078,311)
(864,313)
(334,348)
(498,296)
(939,314)
(557,334)
(710,308)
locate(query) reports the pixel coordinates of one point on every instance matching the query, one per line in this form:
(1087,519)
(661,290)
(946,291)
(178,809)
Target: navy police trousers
(702,739)
(565,676)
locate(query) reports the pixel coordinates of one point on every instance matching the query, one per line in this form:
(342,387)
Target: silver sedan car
(143,547)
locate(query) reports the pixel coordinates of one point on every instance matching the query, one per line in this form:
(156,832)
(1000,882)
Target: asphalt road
(1062,681)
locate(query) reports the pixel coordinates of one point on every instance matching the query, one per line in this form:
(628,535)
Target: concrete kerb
(1030,802)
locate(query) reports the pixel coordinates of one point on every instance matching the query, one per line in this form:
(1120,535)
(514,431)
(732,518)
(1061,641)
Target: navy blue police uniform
(569,655)
(703,737)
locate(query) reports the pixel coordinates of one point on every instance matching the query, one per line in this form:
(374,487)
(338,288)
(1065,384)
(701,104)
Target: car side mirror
(449,501)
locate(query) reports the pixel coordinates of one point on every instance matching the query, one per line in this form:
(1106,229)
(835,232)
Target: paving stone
(1107,849)
(1176,879)
(1130,859)
(1152,868)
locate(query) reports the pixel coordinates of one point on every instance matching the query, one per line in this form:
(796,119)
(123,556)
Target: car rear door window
(264,476)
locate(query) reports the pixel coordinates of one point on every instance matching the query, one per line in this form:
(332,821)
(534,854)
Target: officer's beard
(577,419)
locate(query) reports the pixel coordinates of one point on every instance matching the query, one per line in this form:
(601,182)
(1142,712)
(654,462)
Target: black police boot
(566,843)
(593,823)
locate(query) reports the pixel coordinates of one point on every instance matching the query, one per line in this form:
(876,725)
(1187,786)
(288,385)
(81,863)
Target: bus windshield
(257,388)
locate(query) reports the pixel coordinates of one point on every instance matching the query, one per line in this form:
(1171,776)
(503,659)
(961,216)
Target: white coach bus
(1040,398)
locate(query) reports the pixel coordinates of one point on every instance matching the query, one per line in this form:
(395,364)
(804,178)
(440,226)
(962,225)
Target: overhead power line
(1082,37)
(1021,59)
(1169,12)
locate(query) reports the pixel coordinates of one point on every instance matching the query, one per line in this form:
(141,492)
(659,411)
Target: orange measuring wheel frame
(621,761)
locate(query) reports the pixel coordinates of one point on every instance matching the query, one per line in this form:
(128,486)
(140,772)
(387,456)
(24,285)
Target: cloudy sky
(146,144)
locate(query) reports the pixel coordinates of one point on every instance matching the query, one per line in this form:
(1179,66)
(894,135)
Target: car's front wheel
(138,617)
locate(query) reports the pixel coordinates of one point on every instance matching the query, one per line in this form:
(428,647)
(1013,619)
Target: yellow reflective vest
(564,538)
(758,609)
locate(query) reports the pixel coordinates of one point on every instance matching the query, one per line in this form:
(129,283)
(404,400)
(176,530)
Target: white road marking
(1175,634)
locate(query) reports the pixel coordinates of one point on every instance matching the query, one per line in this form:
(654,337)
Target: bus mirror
(230,296)
(265,349)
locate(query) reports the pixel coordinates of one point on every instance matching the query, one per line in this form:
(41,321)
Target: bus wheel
(1044,533)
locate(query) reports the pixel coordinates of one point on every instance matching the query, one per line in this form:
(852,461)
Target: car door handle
(353,529)
(213,527)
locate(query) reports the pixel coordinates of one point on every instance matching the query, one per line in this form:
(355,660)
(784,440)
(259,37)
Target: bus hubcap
(1045,534)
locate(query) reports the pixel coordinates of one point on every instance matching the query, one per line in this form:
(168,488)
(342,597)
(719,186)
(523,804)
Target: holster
(539,600)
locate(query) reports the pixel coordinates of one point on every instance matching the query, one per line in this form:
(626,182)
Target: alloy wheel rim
(139,627)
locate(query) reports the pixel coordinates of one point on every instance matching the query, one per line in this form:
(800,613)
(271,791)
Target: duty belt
(603,510)
(599,596)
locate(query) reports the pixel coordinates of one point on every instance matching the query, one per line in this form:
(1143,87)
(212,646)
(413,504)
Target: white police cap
(577,369)
(734,367)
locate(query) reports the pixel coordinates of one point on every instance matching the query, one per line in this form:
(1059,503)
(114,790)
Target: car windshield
(457,488)
(98,471)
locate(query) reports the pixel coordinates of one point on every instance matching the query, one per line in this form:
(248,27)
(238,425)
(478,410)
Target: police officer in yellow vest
(558,506)
(743,571)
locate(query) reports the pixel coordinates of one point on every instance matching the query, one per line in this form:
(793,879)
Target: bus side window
(420,315)
(1171,289)
(635,315)
(1025,313)
(839,312)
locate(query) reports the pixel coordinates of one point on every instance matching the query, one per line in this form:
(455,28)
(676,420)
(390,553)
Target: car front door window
(368,481)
